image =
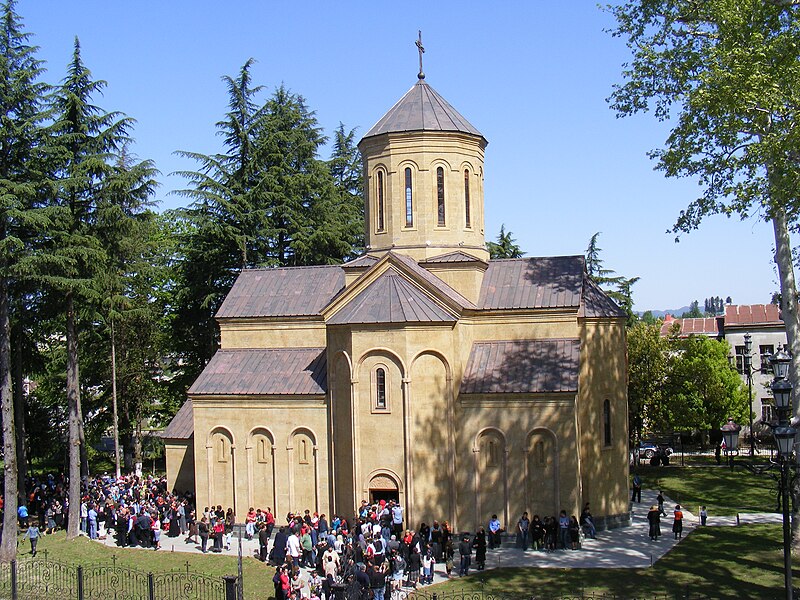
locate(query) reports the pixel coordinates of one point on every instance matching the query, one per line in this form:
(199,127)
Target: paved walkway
(625,547)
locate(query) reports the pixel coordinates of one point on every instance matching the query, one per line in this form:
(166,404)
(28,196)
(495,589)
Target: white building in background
(767,332)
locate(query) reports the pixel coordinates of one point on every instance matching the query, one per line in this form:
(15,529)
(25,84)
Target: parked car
(648,450)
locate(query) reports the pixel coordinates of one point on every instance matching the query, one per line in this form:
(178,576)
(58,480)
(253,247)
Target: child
(703,516)
(33,535)
(427,567)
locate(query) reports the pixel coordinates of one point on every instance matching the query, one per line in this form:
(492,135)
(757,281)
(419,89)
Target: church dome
(422,109)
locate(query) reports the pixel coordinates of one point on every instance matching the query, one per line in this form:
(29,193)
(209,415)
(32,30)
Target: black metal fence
(37,578)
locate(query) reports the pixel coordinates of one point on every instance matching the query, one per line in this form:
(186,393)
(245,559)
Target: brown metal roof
(710,326)
(753,314)
(522,367)
(367,260)
(596,303)
(432,280)
(287,291)
(182,425)
(453,257)
(391,298)
(422,109)
(549,282)
(270,371)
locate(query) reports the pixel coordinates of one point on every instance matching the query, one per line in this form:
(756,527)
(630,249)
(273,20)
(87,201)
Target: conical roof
(422,109)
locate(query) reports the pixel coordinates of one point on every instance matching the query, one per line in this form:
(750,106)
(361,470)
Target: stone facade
(421,371)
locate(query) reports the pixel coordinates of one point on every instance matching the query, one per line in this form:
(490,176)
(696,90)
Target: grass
(722,491)
(717,562)
(82,551)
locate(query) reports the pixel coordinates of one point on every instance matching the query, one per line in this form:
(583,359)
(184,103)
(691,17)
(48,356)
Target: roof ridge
(283,268)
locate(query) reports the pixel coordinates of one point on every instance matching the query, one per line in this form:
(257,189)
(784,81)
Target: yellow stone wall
(604,468)
(423,152)
(271,333)
(456,459)
(262,452)
(179,455)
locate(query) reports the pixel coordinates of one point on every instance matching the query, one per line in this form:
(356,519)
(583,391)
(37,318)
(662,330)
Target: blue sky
(531,76)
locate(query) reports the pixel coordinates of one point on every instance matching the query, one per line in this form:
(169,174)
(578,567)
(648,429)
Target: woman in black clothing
(480,548)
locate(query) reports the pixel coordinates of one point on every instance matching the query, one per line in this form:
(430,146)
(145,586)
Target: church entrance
(382,487)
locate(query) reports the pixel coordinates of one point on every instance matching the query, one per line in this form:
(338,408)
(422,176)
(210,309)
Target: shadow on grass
(721,563)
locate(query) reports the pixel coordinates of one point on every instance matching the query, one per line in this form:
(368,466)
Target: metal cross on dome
(421,50)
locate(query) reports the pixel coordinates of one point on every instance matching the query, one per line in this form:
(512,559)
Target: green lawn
(717,562)
(722,491)
(82,551)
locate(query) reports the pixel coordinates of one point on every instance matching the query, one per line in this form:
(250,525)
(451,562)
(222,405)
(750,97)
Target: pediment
(395,290)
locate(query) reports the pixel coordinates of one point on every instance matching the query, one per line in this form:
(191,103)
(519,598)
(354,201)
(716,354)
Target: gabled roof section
(422,109)
(182,425)
(282,292)
(367,260)
(708,326)
(752,314)
(525,283)
(596,303)
(436,283)
(269,371)
(459,256)
(522,367)
(391,298)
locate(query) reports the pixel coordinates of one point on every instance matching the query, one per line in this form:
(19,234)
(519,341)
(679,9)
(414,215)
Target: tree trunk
(783,259)
(136,436)
(114,399)
(19,411)
(8,546)
(74,401)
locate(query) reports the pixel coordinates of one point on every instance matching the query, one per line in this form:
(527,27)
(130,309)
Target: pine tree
(21,140)
(617,287)
(89,140)
(505,246)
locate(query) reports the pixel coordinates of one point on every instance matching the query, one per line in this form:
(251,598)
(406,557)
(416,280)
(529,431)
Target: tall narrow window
(409,200)
(467,218)
(380,389)
(440,195)
(607,422)
(380,201)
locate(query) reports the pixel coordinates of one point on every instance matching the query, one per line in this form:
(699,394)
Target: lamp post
(747,361)
(784,435)
(730,435)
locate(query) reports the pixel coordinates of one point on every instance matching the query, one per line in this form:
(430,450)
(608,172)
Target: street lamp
(730,435)
(747,361)
(784,435)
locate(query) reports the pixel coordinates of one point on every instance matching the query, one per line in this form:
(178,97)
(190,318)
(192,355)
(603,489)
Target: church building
(421,371)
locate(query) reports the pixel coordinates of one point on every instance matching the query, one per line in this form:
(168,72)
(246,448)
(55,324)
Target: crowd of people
(312,555)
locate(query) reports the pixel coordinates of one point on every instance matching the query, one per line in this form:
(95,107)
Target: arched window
(467,218)
(409,200)
(380,389)
(539,453)
(222,454)
(607,422)
(381,224)
(440,196)
(263,453)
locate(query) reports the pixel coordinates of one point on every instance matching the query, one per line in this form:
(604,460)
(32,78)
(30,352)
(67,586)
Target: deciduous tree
(727,73)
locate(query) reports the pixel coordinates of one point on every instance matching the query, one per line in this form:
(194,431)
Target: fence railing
(576,595)
(37,578)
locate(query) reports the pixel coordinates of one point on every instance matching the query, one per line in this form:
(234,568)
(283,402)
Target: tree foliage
(681,384)
(505,246)
(728,73)
(266,200)
(22,112)
(618,288)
